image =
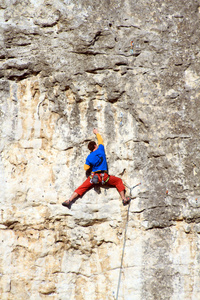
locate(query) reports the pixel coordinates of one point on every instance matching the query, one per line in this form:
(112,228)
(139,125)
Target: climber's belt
(94,177)
(99,172)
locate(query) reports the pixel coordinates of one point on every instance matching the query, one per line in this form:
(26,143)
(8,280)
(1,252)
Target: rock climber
(96,161)
(132,44)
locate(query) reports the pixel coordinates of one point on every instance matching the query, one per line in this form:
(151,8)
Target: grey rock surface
(67,66)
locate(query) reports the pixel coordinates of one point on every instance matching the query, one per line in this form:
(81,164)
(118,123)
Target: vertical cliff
(67,66)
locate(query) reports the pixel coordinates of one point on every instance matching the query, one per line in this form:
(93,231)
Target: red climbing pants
(113,181)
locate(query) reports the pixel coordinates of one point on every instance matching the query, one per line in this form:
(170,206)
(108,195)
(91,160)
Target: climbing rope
(124,243)
(131,188)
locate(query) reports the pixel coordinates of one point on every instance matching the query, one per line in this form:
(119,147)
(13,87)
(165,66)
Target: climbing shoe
(67,204)
(126,201)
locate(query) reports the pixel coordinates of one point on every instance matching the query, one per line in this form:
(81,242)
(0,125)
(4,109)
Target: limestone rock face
(67,66)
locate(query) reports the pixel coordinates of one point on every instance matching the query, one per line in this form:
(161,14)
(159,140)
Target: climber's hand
(95,131)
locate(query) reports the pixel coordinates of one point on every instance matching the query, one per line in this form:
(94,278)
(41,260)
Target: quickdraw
(102,176)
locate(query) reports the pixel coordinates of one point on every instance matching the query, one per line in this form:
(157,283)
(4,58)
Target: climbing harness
(127,219)
(102,178)
(94,178)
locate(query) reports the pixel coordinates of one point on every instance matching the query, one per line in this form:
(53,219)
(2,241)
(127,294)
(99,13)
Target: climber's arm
(86,167)
(99,137)
(100,142)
